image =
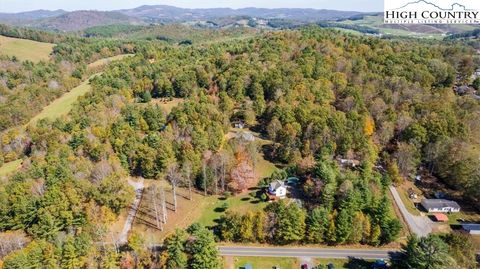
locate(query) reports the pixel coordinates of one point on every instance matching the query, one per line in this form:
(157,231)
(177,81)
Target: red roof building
(441,217)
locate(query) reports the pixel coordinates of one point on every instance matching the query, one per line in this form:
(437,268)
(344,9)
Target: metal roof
(439,203)
(471,227)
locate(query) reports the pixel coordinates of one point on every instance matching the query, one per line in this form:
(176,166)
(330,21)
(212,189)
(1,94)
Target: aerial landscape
(146,134)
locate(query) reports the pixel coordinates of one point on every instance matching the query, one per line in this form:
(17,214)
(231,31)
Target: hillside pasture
(63,105)
(24,49)
(105,61)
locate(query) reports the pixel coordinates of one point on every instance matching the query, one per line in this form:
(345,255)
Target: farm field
(24,49)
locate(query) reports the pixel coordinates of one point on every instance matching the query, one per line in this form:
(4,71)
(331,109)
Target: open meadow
(24,49)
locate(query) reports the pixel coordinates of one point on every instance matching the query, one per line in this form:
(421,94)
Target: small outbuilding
(440,206)
(277,188)
(439,217)
(471,228)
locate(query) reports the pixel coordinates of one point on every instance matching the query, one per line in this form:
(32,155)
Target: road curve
(330,253)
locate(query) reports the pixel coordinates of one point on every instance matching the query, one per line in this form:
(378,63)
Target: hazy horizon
(15,6)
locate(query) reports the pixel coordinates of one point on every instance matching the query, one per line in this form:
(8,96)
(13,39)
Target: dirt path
(138,186)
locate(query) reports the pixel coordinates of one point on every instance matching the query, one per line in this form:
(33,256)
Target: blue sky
(26,5)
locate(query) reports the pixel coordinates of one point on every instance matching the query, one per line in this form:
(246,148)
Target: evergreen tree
(246,227)
(344,226)
(317,225)
(70,259)
(175,248)
(202,249)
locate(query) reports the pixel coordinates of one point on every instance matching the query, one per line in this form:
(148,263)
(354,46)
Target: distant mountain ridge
(164,12)
(31,15)
(78,20)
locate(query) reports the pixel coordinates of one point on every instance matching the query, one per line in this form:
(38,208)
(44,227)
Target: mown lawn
(292,263)
(10,167)
(217,205)
(266,262)
(24,49)
(61,106)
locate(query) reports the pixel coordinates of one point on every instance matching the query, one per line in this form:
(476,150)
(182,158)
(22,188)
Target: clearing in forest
(10,167)
(108,60)
(61,106)
(205,210)
(24,49)
(167,104)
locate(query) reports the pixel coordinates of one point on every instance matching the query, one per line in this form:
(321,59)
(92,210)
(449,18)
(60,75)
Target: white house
(277,188)
(440,206)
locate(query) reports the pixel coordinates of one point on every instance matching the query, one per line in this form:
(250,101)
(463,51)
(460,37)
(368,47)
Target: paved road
(138,186)
(328,253)
(419,225)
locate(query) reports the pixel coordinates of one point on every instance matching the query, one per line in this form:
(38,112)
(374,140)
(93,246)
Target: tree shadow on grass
(354,263)
(220,209)
(245,199)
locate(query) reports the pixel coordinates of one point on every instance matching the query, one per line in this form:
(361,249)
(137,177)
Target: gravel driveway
(419,225)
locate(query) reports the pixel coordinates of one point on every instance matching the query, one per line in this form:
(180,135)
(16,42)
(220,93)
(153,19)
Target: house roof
(439,203)
(276,184)
(471,227)
(441,217)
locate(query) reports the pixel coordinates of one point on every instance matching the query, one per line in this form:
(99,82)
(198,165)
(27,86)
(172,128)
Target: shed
(440,205)
(248,266)
(441,217)
(471,228)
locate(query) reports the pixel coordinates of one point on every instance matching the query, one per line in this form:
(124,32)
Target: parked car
(330,266)
(304,266)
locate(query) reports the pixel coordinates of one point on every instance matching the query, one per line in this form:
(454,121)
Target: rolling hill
(79,20)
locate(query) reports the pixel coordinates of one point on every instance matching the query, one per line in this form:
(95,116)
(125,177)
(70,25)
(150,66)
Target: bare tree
(163,202)
(187,171)
(224,160)
(174,177)
(206,157)
(155,206)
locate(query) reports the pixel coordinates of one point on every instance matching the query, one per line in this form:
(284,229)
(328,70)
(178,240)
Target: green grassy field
(108,60)
(10,167)
(63,105)
(265,262)
(25,49)
(215,207)
(292,263)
